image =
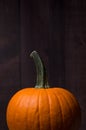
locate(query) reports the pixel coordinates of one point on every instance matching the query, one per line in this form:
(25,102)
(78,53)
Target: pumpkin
(43,107)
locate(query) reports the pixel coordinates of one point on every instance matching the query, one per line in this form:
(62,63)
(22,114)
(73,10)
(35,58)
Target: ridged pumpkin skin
(43,109)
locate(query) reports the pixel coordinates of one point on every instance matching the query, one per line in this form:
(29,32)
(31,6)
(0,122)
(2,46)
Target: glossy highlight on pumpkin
(43,107)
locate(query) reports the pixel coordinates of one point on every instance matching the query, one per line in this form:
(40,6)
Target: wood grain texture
(57,30)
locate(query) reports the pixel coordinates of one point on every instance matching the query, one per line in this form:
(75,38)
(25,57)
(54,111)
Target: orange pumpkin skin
(43,109)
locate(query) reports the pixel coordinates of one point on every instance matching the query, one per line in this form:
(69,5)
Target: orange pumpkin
(42,107)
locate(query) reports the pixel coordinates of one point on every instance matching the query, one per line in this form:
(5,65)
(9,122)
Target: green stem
(41,71)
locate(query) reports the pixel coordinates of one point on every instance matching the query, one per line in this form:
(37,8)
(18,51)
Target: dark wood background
(54,28)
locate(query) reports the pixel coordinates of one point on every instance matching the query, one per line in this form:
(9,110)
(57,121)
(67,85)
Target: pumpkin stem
(41,71)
